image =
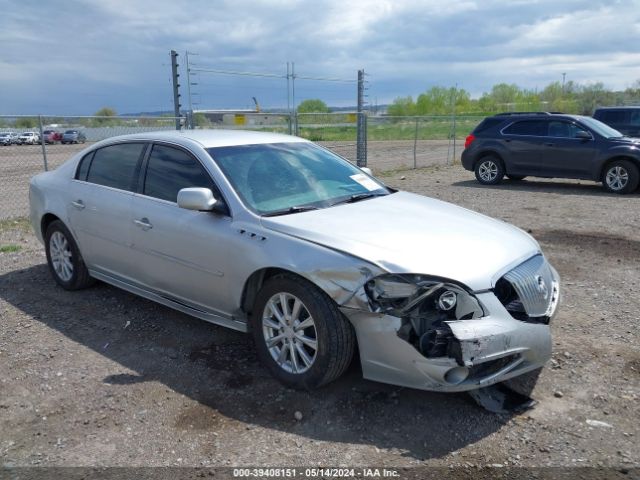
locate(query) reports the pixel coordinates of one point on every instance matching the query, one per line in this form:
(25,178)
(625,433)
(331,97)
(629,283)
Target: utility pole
(563,77)
(176,86)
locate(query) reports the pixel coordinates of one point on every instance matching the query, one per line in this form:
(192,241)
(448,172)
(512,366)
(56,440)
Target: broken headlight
(424,304)
(410,295)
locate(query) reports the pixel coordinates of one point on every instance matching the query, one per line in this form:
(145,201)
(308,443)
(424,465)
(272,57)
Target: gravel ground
(103,378)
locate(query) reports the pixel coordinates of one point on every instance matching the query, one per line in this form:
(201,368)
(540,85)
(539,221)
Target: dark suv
(552,145)
(624,119)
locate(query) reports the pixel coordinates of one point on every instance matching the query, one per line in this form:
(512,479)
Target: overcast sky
(75,56)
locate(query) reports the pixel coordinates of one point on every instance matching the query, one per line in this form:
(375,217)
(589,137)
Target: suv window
(487,123)
(170,169)
(562,129)
(614,116)
(115,165)
(536,128)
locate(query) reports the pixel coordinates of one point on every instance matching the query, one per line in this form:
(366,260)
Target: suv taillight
(469,140)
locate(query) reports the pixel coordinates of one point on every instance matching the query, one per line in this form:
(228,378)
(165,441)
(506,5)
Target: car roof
(529,115)
(213,137)
(621,107)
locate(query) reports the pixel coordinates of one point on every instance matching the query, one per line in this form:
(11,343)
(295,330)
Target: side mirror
(583,135)
(201,199)
(367,170)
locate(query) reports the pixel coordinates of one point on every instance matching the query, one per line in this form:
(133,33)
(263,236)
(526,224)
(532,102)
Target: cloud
(77,56)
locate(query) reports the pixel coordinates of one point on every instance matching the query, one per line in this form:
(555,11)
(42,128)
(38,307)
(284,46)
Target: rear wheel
(621,176)
(299,333)
(489,170)
(64,258)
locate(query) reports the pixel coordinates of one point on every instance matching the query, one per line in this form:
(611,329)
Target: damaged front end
(424,306)
(436,334)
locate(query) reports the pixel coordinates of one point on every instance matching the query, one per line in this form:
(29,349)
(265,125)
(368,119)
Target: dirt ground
(101,377)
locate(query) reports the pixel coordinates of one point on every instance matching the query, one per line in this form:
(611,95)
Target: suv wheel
(621,176)
(489,171)
(299,333)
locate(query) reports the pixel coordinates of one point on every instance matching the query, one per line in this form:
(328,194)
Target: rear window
(115,165)
(487,123)
(614,116)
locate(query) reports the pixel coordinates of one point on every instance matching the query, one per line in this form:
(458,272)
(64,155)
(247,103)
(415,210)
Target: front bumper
(494,348)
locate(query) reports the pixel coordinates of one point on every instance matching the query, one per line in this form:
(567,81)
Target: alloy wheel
(488,171)
(617,178)
(290,333)
(61,256)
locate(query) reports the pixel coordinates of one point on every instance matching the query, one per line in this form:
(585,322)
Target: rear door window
(116,165)
(171,169)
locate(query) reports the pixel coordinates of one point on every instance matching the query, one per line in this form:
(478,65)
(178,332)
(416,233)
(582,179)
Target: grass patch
(10,248)
(21,224)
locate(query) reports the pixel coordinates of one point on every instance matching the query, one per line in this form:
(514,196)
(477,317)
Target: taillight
(469,140)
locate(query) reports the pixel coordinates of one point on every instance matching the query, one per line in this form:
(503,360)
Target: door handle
(143,223)
(550,144)
(79,204)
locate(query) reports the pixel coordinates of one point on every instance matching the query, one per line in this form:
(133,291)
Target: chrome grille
(535,285)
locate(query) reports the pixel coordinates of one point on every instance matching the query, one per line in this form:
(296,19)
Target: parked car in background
(73,136)
(28,138)
(52,136)
(315,258)
(8,138)
(624,119)
(552,145)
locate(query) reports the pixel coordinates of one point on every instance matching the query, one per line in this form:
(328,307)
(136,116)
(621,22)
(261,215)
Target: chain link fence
(32,144)
(389,143)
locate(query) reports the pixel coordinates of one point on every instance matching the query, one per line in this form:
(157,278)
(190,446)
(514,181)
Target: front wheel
(299,333)
(621,177)
(64,258)
(489,171)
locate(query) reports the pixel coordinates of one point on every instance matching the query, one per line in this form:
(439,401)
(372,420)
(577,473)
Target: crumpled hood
(408,233)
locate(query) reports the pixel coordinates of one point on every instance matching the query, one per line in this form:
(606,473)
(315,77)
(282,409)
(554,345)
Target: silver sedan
(314,257)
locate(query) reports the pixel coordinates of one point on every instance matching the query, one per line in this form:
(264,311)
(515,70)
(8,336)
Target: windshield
(600,128)
(282,177)
(70,132)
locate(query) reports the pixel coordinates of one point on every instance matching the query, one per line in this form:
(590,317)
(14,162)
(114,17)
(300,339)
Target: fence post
(415,146)
(361,128)
(453,158)
(42,142)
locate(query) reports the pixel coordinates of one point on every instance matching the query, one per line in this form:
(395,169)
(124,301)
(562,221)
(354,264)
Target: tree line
(571,97)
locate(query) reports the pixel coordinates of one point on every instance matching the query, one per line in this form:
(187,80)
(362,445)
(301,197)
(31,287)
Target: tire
(489,170)
(620,176)
(64,259)
(333,334)
(516,178)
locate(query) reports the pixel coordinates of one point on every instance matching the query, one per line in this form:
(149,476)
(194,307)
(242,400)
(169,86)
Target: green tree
(402,107)
(313,105)
(103,122)
(26,122)
(201,120)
